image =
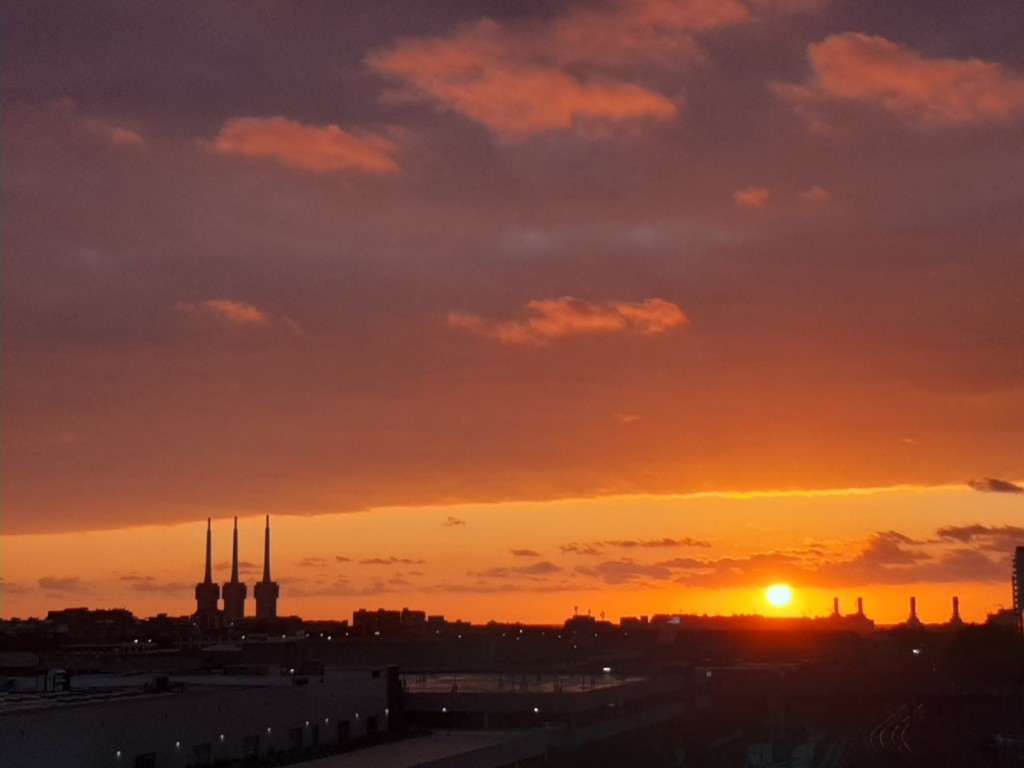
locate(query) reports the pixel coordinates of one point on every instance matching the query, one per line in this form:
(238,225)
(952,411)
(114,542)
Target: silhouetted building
(234,591)
(381,621)
(912,619)
(266,591)
(207,592)
(955,619)
(199,719)
(1018,588)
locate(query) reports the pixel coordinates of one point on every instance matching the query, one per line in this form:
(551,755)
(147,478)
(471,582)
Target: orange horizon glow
(529,554)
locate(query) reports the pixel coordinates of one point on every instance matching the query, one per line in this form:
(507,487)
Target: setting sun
(779,594)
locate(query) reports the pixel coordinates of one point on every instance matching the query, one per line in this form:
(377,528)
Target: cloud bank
(549,319)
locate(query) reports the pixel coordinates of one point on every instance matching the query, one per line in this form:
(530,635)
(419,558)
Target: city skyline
(500,309)
(545,584)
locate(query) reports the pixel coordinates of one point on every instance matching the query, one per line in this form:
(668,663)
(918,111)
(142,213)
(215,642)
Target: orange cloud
(520,78)
(116,134)
(229,310)
(788,6)
(97,126)
(555,318)
(752,197)
(816,195)
(307,147)
(868,69)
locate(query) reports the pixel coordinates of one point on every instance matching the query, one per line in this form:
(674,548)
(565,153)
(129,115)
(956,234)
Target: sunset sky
(500,308)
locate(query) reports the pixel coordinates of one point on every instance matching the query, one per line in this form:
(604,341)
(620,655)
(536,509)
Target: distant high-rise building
(266,591)
(1018,588)
(234,590)
(207,592)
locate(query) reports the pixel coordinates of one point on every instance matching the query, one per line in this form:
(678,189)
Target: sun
(779,594)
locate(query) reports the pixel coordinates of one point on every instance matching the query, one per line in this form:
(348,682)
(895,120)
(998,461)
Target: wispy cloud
(543,568)
(599,546)
(524,553)
(1000,538)
(816,195)
(11,587)
(993,485)
(228,310)
(752,197)
(626,570)
(244,566)
(503,586)
(165,587)
(339,588)
(112,132)
(62,584)
(871,70)
(316,148)
(574,548)
(391,561)
(549,319)
(135,576)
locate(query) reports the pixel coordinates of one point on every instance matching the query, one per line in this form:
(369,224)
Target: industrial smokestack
(266,551)
(234,591)
(234,554)
(912,620)
(860,606)
(266,591)
(207,593)
(835,606)
(209,554)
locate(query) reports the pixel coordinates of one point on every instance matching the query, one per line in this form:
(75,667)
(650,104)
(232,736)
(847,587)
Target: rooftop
(512,683)
(424,750)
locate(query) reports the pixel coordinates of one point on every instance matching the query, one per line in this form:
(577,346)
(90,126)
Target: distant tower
(266,591)
(207,592)
(1018,588)
(835,607)
(234,590)
(912,620)
(955,619)
(860,606)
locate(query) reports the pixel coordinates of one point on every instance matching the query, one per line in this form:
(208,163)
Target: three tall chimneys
(235,591)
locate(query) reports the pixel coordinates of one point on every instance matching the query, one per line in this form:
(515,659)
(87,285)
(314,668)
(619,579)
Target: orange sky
(550,268)
(618,555)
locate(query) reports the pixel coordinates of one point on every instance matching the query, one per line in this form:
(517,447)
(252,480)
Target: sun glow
(779,594)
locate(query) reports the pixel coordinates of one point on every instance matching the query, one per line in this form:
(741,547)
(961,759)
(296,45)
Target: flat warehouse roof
(512,683)
(424,750)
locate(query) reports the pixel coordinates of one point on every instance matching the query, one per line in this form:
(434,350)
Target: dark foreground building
(174,722)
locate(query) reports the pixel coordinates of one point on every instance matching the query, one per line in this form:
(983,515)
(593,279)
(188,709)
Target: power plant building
(235,591)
